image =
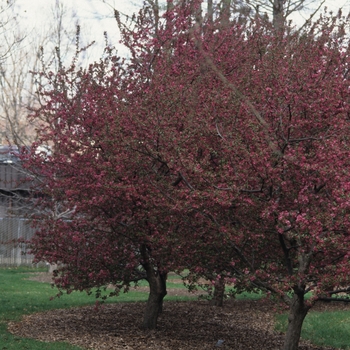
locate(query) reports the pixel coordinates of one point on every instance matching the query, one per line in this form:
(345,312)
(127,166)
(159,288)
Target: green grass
(328,328)
(10,342)
(20,296)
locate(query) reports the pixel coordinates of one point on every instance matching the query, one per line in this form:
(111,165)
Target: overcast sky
(96,16)
(90,10)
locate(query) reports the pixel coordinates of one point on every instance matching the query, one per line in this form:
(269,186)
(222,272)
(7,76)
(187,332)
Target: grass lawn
(328,328)
(20,296)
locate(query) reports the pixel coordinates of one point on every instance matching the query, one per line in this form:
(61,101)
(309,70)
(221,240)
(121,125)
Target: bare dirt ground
(191,325)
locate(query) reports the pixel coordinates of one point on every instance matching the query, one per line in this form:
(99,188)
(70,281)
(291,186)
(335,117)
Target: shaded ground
(191,325)
(47,278)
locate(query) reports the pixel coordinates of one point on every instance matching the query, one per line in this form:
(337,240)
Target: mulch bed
(193,325)
(182,325)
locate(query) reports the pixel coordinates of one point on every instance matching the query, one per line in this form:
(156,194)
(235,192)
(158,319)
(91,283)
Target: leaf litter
(190,325)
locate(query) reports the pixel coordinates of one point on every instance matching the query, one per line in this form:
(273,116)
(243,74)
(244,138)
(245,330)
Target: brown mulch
(191,325)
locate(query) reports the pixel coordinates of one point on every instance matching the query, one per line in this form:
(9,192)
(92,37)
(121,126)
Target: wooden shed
(13,178)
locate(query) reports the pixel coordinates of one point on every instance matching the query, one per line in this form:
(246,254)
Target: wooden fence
(13,178)
(11,254)
(13,185)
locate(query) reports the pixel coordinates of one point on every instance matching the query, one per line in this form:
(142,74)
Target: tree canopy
(218,148)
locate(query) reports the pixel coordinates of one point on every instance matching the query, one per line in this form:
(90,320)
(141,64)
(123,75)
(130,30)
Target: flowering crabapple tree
(223,149)
(252,126)
(101,215)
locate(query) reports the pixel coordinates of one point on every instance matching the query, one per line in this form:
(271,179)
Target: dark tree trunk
(297,313)
(219,292)
(157,292)
(278,14)
(225,13)
(210,12)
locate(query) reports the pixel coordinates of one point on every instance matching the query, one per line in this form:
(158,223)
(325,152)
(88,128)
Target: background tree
(10,82)
(277,11)
(25,50)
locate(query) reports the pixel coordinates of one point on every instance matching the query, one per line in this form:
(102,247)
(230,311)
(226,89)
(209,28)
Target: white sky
(332,5)
(90,10)
(96,16)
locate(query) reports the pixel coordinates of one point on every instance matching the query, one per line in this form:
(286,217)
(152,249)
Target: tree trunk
(297,313)
(210,12)
(225,13)
(157,292)
(219,292)
(278,14)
